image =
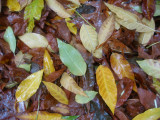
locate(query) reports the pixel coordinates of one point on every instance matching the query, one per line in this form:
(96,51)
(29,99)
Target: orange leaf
(122,68)
(107,86)
(48,64)
(42,115)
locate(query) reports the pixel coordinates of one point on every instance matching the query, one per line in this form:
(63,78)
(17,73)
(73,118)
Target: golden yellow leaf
(71,26)
(58,8)
(122,68)
(83,1)
(24,3)
(106,29)
(48,64)
(29,86)
(13,5)
(89,40)
(56,92)
(146,36)
(107,86)
(69,83)
(42,115)
(75,2)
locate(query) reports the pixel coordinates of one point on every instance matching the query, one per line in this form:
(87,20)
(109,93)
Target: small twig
(38,107)
(152,44)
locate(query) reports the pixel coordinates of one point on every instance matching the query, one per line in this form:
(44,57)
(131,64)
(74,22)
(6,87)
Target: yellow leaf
(151,114)
(107,86)
(29,86)
(75,2)
(83,1)
(13,5)
(106,29)
(71,26)
(42,115)
(56,92)
(89,38)
(69,83)
(58,8)
(146,36)
(122,68)
(48,64)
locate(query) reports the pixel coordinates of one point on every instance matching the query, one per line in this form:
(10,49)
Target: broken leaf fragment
(29,86)
(71,26)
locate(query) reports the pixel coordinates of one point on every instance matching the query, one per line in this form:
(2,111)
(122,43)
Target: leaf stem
(152,44)
(38,107)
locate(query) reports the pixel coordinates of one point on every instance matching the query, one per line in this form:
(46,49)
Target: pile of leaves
(79,59)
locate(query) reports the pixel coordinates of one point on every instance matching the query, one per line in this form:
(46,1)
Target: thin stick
(152,44)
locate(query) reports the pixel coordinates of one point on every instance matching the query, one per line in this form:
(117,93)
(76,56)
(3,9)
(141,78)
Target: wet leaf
(75,2)
(151,67)
(34,40)
(13,5)
(107,86)
(58,8)
(122,68)
(10,38)
(42,115)
(71,26)
(56,92)
(151,114)
(27,67)
(29,86)
(106,29)
(89,40)
(145,37)
(33,11)
(72,58)
(48,64)
(69,83)
(83,100)
(70,117)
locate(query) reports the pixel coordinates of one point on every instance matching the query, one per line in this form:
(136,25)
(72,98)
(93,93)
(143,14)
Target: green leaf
(137,8)
(11,84)
(27,67)
(70,117)
(82,99)
(33,11)
(157,12)
(151,114)
(156,84)
(151,67)
(72,58)
(10,38)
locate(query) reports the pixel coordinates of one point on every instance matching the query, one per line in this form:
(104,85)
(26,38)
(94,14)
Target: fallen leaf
(71,26)
(33,11)
(42,115)
(75,2)
(48,64)
(145,37)
(10,38)
(13,5)
(70,117)
(151,114)
(56,92)
(89,40)
(122,68)
(69,83)
(107,86)
(106,30)
(24,3)
(72,59)
(29,86)
(151,67)
(157,12)
(58,8)
(27,67)
(34,40)
(83,100)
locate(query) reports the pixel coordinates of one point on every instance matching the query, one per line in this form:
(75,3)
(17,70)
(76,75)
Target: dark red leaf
(120,114)
(22,46)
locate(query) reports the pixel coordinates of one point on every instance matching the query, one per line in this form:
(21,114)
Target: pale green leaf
(151,114)
(137,8)
(72,58)
(33,11)
(11,84)
(157,12)
(151,67)
(82,99)
(70,117)
(156,84)
(10,38)
(27,67)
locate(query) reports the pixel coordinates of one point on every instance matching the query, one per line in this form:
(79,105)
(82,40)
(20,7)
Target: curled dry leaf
(58,8)
(106,30)
(42,115)
(151,114)
(34,40)
(29,86)
(48,64)
(107,86)
(89,40)
(75,2)
(56,92)
(69,83)
(146,36)
(122,68)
